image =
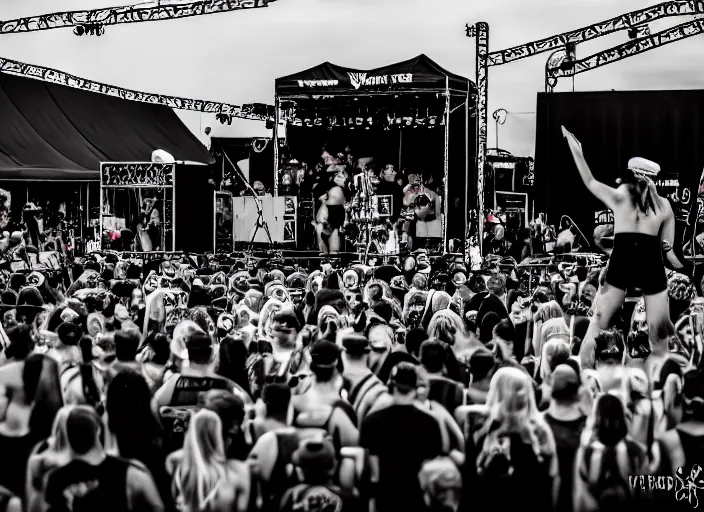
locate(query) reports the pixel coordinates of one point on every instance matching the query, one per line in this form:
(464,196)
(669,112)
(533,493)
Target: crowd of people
(219,384)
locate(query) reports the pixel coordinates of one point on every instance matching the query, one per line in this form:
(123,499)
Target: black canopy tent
(55,133)
(406,109)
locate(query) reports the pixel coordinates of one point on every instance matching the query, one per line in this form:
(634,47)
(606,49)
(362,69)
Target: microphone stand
(261,223)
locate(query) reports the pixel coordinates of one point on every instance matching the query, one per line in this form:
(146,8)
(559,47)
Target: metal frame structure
(631,20)
(133,175)
(13,67)
(445,125)
(126,14)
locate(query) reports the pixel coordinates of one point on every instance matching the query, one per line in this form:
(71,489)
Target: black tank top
(83,487)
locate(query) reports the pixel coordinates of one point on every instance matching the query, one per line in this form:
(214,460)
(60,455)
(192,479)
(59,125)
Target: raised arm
(604,193)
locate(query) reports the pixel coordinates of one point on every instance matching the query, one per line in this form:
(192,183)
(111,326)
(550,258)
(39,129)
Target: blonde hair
(204,464)
(58,441)
(551,349)
(513,412)
(553,327)
(447,326)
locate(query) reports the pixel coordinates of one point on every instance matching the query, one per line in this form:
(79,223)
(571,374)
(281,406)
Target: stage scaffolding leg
(275,139)
(482,40)
(446,166)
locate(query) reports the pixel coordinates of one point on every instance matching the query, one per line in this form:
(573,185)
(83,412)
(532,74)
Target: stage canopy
(417,74)
(50,131)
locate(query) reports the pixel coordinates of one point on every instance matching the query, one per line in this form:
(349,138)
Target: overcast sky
(235,57)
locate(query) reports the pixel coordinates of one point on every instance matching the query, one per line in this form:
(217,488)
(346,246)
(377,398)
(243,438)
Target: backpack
(176,416)
(313,498)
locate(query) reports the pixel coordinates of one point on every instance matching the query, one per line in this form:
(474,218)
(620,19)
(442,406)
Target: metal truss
(486,59)
(628,49)
(249,111)
(127,14)
(581,35)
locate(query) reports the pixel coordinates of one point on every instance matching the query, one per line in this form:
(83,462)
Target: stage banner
(694,234)
(419,73)
(680,197)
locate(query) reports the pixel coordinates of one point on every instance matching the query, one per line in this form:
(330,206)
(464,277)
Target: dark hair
(82,426)
(130,416)
(228,406)
(159,343)
(40,378)
(414,339)
(609,346)
(433,355)
(323,373)
(232,361)
(639,188)
(21,342)
(277,397)
(610,421)
(126,345)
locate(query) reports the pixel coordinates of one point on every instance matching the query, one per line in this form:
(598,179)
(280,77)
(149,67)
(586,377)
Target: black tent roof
(417,74)
(50,131)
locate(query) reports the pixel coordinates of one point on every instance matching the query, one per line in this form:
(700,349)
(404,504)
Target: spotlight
(79,30)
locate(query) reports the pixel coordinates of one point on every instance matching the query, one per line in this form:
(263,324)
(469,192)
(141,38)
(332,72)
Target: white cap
(162,157)
(643,166)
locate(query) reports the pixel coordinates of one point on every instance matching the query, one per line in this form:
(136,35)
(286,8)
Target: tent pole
(482,40)
(400,149)
(276,146)
(466,175)
(446,165)
(84,216)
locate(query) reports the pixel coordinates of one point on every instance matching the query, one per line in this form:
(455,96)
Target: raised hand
(571,139)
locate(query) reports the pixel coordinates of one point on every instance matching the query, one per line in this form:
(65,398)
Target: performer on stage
(644,227)
(331,213)
(426,207)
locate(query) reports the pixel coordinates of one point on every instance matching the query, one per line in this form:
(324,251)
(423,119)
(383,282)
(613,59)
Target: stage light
(79,30)
(269,123)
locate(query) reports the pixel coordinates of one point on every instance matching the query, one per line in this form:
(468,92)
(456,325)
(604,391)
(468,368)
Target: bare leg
(319,233)
(609,300)
(660,327)
(334,241)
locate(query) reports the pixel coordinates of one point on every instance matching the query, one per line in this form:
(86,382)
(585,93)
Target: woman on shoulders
(644,228)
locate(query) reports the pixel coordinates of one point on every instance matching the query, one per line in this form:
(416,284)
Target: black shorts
(336,216)
(636,262)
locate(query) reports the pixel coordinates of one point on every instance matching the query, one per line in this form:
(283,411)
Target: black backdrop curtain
(664,126)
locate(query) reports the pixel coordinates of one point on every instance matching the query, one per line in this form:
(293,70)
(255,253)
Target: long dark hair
(130,417)
(642,191)
(42,388)
(610,421)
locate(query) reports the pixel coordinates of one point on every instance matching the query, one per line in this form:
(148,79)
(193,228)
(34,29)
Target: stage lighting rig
(224,118)
(90,29)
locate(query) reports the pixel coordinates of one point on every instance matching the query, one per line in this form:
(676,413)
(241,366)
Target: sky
(235,57)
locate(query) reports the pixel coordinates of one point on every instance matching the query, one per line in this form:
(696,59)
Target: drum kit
(368,216)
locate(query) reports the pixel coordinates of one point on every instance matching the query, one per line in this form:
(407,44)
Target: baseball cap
(355,344)
(324,354)
(286,320)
